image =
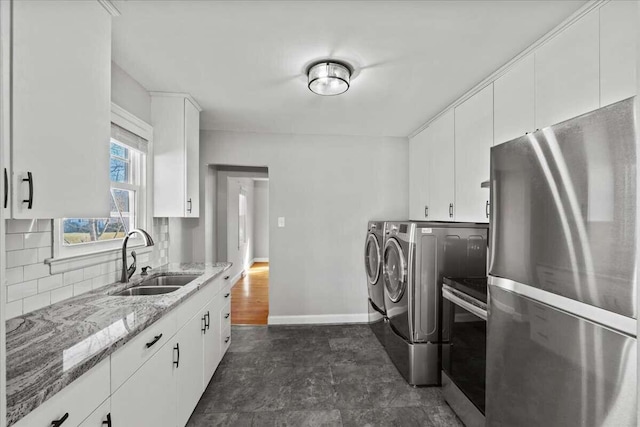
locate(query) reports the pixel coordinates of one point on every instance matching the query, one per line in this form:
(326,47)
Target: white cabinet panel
(618,50)
(192,143)
(567,73)
(100,417)
(514,102)
(418,176)
(75,402)
(474,138)
(190,370)
(61,109)
(440,168)
(148,398)
(176,122)
(212,346)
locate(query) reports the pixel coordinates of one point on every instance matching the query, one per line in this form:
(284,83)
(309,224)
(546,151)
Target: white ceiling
(244,62)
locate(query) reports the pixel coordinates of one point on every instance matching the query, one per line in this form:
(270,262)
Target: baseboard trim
(318,319)
(261,259)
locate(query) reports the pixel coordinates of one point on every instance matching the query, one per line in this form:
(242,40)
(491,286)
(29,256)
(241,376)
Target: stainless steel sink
(147,290)
(159,285)
(169,280)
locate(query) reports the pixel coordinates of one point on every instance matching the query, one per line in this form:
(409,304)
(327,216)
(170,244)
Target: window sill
(76,262)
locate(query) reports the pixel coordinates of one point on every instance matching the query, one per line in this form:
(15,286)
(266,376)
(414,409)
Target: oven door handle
(464,304)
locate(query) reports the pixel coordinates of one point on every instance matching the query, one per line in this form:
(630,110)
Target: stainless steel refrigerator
(561,341)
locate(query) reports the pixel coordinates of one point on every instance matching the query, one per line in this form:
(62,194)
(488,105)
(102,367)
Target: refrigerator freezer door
(549,368)
(563,209)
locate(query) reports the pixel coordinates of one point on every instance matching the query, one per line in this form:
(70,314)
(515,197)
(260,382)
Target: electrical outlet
(281,222)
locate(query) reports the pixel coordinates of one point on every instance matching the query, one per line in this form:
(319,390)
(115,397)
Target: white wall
(261,220)
(129,94)
(327,188)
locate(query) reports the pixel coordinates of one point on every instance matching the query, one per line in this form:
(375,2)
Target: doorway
(243,239)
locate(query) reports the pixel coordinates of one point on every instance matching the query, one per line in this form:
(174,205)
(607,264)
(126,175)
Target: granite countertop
(49,348)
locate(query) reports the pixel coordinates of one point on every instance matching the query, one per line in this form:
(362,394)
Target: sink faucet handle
(144,270)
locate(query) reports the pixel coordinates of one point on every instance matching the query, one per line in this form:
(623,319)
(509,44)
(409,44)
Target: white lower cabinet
(101,417)
(190,366)
(148,398)
(74,403)
(212,348)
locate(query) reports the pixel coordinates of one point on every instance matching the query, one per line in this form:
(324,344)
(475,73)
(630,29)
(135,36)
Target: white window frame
(67,258)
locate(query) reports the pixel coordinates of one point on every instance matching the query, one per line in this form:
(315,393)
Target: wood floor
(250,297)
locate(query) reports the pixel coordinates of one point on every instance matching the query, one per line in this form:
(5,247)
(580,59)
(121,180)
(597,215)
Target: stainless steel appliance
(373,267)
(464,355)
(561,345)
(415,258)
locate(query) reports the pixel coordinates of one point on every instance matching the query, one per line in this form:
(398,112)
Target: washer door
(395,270)
(372,259)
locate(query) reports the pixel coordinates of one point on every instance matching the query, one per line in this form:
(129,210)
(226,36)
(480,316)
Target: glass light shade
(329,78)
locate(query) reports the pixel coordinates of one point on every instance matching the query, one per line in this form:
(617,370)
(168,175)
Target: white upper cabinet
(61,109)
(176,128)
(474,138)
(618,51)
(440,168)
(567,77)
(514,102)
(418,176)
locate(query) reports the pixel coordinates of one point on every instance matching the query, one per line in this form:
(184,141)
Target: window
(127,171)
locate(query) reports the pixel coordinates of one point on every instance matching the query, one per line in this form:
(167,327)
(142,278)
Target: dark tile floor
(314,376)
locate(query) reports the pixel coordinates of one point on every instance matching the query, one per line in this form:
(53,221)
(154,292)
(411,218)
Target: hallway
(250,297)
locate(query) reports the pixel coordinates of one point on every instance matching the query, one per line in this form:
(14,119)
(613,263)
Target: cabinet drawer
(225,340)
(225,316)
(78,400)
(128,359)
(194,304)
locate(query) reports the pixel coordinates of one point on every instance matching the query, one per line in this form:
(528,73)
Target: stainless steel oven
(464,355)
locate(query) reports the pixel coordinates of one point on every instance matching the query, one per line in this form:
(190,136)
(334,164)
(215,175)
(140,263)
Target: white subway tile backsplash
(82,287)
(91,272)
(14,275)
(14,242)
(37,240)
(61,294)
(71,277)
(13,309)
(35,302)
(22,257)
(43,254)
(45,224)
(35,271)
(30,285)
(21,225)
(22,290)
(50,282)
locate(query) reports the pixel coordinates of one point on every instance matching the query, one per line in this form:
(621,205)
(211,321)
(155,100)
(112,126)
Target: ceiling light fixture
(329,78)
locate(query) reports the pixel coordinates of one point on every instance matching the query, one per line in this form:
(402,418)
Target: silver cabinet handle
(190,205)
(464,304)
(426,211)
(487,208)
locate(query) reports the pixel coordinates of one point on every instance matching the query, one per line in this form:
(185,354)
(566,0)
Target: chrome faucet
(148,241)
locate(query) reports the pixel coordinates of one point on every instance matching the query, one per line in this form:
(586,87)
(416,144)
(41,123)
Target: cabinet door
(474,138)
(418,176)
(61,109)
(100,417)
(514,102)
(567,73)
(212,354)
(192,147)
(440,169)
(190,370)
(148,398)
(618,35)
